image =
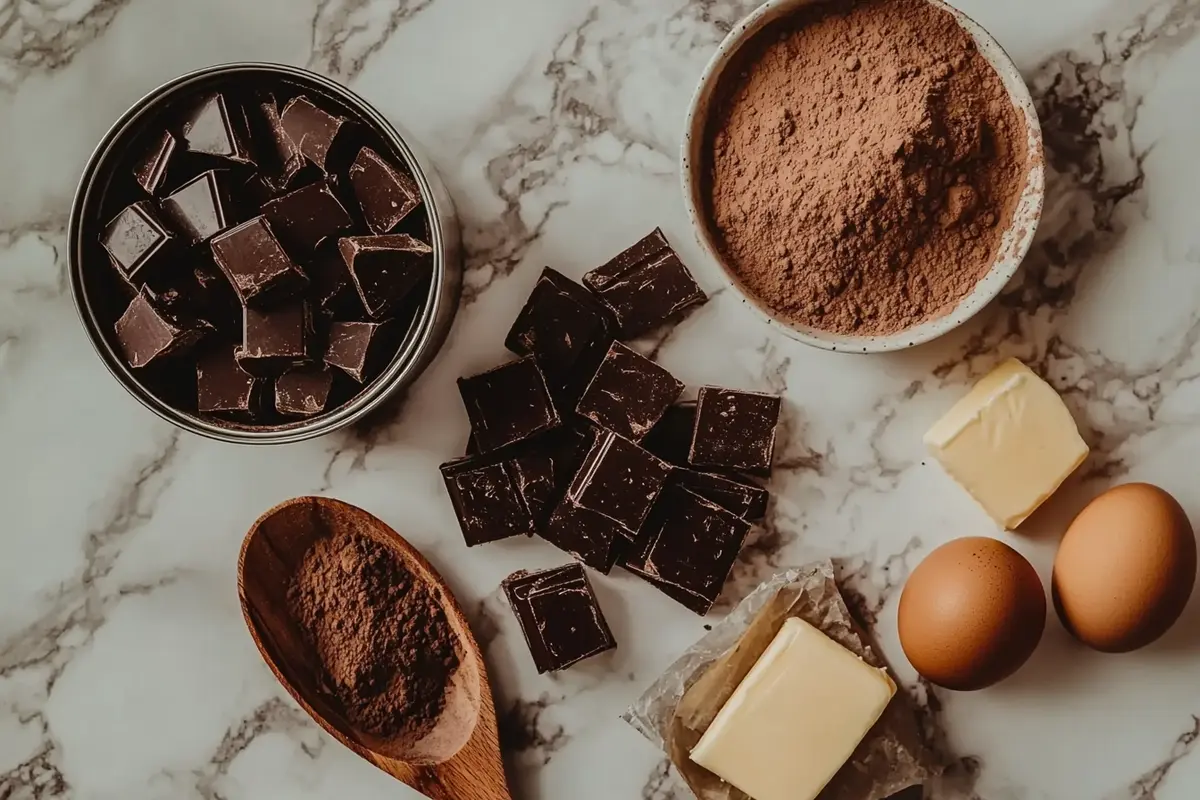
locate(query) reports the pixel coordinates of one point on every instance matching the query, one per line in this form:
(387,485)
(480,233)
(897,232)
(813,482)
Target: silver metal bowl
(424,337)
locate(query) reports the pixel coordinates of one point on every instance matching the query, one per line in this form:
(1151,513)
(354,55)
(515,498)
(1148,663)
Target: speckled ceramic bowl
(1015,244)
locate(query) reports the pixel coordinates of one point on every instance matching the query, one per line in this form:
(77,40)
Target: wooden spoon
(460,758)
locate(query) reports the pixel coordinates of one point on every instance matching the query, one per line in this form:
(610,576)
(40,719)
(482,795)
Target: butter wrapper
(676,710)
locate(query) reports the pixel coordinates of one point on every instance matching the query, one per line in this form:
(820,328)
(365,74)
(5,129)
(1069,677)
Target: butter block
(1010,442)
(796,717)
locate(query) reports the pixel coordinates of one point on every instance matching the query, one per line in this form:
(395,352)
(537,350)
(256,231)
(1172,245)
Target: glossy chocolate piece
(628,394)
(313,129)
(645,286)
(619,480)
(671,438)
(562,324)
(508,404)
(486,500)
(303,391)
(745,499)
(358,348)
(303,219)
(590,537)
(218,128)
(559,616)
(385,194)
(146,333)
(199,209)
(136,240)
(222,386)
(150,171)
(279,158)
(255,263)
(276,339)
(384,269)
(543,468)
(735,430)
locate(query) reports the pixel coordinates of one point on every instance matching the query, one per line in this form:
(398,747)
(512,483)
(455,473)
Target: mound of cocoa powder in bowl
(862,163)
(387,651)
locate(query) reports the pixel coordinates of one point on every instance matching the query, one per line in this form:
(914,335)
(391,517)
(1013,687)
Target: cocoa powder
(387,651)
(863,163)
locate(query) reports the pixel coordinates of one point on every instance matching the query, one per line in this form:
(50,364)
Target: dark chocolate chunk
(199,209)
(385,268)
(279,158)
(628,394)
(735,430)
(146,333)
(357,348)
(194,287)
(276,339)
(222,385)
(218,128)
(645,286)
(690,545)
(619,480)
(544,468)
(590,537)
(486,499)
(690,600)
(747,500)
(134,240)
(151,170)
(304,218)
(386,195)
(303,391)
(559,616)
(560,323)
(331,289)
(508,404)
(671,438)
(255,263)
(313,129)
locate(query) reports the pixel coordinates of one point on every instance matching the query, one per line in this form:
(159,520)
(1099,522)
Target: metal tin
(424,338)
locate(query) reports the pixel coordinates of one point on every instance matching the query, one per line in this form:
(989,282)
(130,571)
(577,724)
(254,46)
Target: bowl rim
(405,365)
(1026,215)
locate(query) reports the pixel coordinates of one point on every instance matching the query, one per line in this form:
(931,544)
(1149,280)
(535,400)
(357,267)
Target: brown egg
(1125,568)
(971,613)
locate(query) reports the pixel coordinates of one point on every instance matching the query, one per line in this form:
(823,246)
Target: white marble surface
(125,671)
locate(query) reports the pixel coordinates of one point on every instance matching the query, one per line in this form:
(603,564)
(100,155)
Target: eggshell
(1125,568)
(971,613)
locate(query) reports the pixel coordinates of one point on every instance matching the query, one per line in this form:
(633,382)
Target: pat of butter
(796,718)
(1010,442)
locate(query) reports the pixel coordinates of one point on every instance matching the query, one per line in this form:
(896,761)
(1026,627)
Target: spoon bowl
(459,758)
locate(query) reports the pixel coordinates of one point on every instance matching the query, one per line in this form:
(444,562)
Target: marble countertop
(125,669)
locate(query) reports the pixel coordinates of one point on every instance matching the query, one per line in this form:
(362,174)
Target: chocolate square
(313,129)
(217,127)
(735,430)
(590,537)
(486,500)
(223,386)
(256,265)
(645,286)
(671,438)
(199,209)
(275,340)
(303,219)
(135,239)
(628,394)
(559,616)
(544,467)
(146,333)
(619,480)
(358,348)
(747,500)
(508,404)
(385,269)
(560,323)
(150,171)
(303,391)
(385,194)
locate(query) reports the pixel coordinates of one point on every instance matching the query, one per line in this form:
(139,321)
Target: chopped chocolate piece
(735,430)
(303,391)
(276,339)
(218,128)
(486,500)
(559,616)
(223,386)
(628,394)
(200,208)
(560,322)
(280,158)
(542,471)
(619,480)
(256,265)
(312,129)
(690,600)
(385,268)
(147,333)
(508,404)
(386,195)
(151,170)
(690,545)
(357,348)
(304,218)
(590,537)
(331,289)
(134,239)
(195,288)
(671,438)
(747,500)
(645,286)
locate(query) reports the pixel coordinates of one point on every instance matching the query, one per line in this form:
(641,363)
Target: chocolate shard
(747,500)
(277,339)
(255,263)
(136,240)
(303,391)
(486,500)
(508,404)
(150,171)
(559,616)
(629,393)
(222,386)
(385,269)
(199,209)
(645,286)
(618,480)
(358,348)
(590,537)
(147,334)
(217,127)
(735,430)
(313,129)
(671,438)
(279,158)
(385,194)
(306,217)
